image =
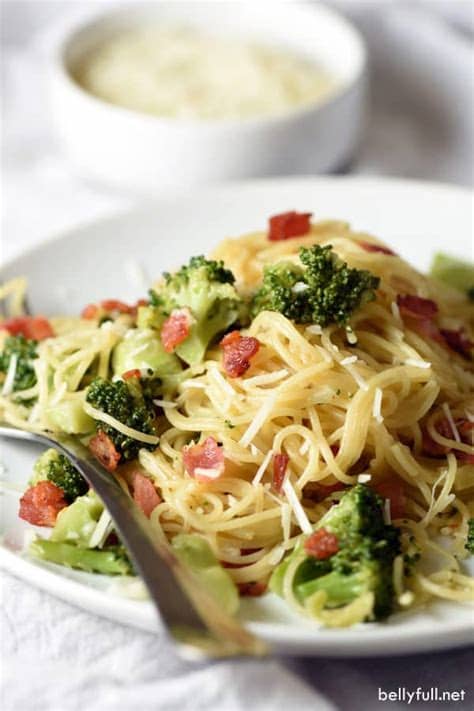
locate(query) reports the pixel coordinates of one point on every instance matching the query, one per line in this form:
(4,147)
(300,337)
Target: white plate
(90,262)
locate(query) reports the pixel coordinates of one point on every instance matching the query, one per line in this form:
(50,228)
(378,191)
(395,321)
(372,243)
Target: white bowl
(144,153)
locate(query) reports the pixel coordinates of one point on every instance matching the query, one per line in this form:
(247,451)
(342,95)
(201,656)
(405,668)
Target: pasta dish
(294,413)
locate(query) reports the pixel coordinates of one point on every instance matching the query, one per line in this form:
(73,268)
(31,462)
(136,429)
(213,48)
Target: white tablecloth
(57,657)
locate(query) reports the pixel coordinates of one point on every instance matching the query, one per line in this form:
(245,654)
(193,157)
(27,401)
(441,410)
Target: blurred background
(419,122)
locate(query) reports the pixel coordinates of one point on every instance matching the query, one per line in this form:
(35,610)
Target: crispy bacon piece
(458,341)
(394,491)
(115,305)
(416,307)
(36,327)
(90,312)
(435,449)
(371,247)
(204,462)
(280,463)
(176,329)
(316,491)
(251,589)
(144,493)
(133,373)
(104,450)
(238,352)
(321,544)
(40,504)
(288,224)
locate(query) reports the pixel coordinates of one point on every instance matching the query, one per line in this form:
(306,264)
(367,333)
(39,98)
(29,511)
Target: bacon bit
(288,224)
(458,341)
(316,491)
(321,544)
(435,449)
(416,307)
(465,428)
(429,329)
(115,305)
(238,351)
(280,463)
(144,493)
(371,247)
(90,312)
(394,491)
(104,450)
(432,448)
(251,589)
(133,373)
(40,504)
(36,327)
(202,458)
(176,329)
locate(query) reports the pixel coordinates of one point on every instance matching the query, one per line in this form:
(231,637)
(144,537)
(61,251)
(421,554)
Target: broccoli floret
(57,469)
(125,402)
(323,290)
(470,536)
(24,349)
(206,288)
(363,562)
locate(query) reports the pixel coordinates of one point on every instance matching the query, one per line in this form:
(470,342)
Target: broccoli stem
(110,561)
(341,589)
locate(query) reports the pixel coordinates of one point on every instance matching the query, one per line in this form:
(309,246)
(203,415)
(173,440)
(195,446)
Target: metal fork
(192,616)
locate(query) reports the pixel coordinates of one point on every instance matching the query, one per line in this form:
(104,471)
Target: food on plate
(184,73)
(294,414)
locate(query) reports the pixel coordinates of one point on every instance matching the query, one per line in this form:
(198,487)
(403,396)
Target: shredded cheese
(417,363)
(101,531)
(364,478)
(262,468)
(117,425)
(452,424)
(298,510)
(259,420)
(348,360)
(315,329)
(10,376)
(377,406)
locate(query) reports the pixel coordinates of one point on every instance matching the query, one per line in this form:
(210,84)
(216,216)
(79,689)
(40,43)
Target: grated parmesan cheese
(101,531)
(259,420)
(316,329)
(377,406)
(299,287)
(116,424)
(262,468)
(387,514)
(208,473)
(286,521)
(395,311)
(348,360)
(452,424)
(184,73)
(10,376)
(298,510)
(364,477)
(165,404)
(417,363)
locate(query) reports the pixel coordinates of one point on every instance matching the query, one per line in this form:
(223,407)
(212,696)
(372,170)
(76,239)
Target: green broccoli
(322,289)
(470,536)
(458,273)
(57,469)
(206,288)
(363,562)
(125,402)
(24,349)
(112,560)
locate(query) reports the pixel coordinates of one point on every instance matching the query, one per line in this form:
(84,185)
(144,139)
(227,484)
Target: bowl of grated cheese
(168,94)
